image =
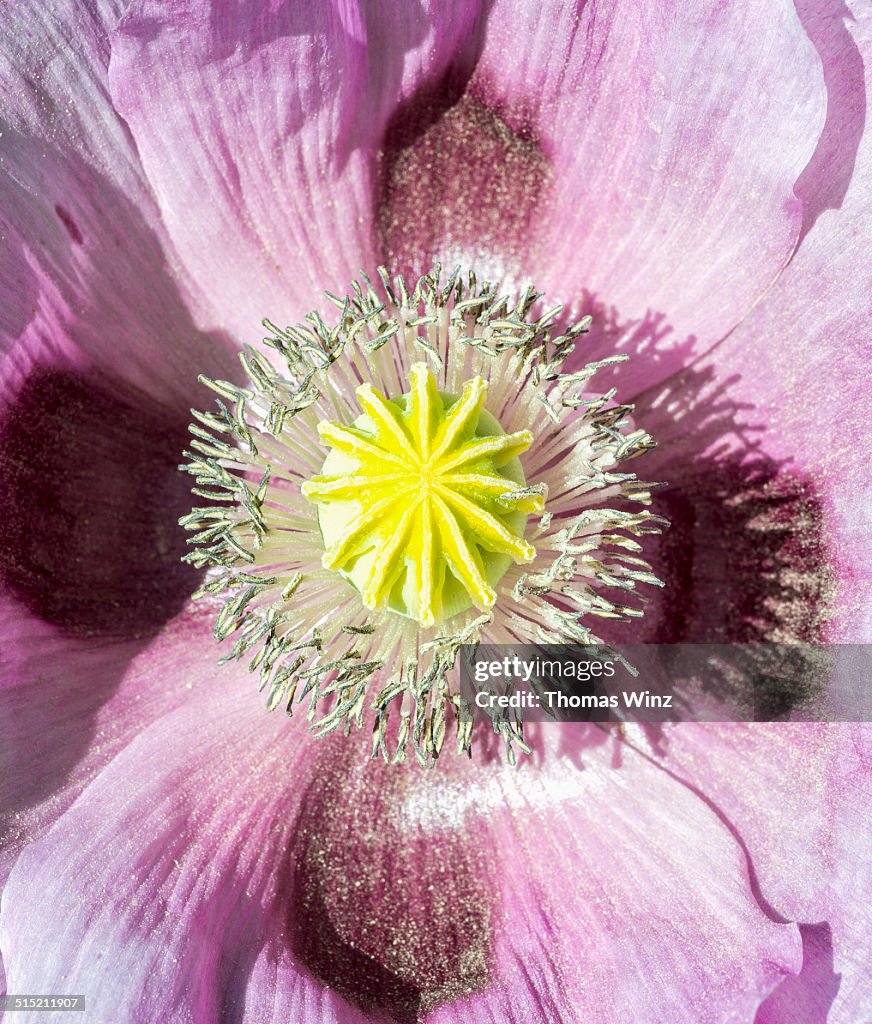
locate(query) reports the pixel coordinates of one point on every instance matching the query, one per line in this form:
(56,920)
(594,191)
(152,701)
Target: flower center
(425,397)
(422,501)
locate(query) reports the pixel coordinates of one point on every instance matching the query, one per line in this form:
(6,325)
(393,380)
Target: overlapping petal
(141,920)
(807,858)
(758,440)
(86,261)
(674,137)
(594,936)
(53,73)
(67,708)
(800,359)
(275,113)
(215,866)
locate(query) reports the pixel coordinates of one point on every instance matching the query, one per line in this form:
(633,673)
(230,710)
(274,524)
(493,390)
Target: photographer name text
(534,672)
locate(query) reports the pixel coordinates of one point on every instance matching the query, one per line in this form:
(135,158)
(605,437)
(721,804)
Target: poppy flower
(695,182)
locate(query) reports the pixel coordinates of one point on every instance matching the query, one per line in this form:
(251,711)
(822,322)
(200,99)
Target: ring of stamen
(310,635)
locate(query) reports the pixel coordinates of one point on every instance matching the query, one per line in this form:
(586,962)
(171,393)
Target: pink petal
(139,815)
(825,180)
(86,266)
(621,897)
(675,137)
(53,77)
(807,997)
(852,881)
(172,857)
(19,288)
(222,863)
(93,286)
(760,443)
(67,706)
(275,114)
(797,796)
(799,363)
